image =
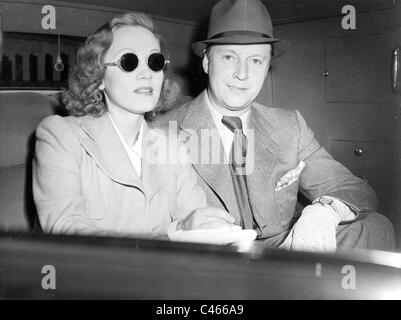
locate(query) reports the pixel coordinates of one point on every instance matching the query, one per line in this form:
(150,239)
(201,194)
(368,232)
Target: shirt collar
(217,116)
(137,147)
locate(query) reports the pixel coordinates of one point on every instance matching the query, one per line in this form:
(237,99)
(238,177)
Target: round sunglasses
(129,62)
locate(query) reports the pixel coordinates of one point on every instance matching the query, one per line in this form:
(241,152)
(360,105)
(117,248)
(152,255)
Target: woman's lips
(144,91)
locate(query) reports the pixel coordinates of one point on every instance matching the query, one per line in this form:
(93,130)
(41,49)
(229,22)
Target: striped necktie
(237,168)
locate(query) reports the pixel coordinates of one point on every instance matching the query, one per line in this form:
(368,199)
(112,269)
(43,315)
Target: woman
(92,173)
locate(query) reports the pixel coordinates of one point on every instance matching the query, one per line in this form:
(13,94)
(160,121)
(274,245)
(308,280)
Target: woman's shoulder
(57,136)
(56,123)
(52,121)
(61,129)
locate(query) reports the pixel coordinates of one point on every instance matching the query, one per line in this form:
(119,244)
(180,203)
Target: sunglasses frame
(118,62)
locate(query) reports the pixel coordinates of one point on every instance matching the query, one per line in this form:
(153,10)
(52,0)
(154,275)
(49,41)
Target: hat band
(240,33)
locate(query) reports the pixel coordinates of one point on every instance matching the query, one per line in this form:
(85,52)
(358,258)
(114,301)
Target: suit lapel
(265,155)
(209,161)
(104,145)
(159,165)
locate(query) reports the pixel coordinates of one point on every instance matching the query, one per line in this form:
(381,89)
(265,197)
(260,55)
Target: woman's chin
(144,107)
(140,109)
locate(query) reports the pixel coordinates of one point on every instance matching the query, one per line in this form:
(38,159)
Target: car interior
(345,82)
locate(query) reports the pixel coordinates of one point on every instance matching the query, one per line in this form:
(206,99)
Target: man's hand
(206,218)
(315,230)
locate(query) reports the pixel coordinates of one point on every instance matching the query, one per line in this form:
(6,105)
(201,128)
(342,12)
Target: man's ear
(205,62)
(267,70)
(271,52)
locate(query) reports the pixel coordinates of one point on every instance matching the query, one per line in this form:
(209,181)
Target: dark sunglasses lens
(129,62)
(156,61)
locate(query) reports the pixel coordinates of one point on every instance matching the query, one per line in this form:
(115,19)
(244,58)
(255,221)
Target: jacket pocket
(285,201)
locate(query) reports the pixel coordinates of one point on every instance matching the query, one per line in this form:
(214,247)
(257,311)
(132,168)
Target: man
(276,146)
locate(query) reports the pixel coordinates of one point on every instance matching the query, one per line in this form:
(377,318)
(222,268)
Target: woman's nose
(143,71)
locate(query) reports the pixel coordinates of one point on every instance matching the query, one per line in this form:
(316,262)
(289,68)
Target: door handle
(395,69)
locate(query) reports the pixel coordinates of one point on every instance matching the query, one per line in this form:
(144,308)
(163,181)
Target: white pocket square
(290,177)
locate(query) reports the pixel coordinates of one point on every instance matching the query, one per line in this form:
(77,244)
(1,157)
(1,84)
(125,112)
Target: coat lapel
(104,145)
(266,152)
(209,161)
(106,148)
(160,161)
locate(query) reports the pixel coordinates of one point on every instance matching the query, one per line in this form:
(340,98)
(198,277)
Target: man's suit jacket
(84,182)
(281,140)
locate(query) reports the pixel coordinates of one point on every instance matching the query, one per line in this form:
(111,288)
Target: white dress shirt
(134,152)
(226,135)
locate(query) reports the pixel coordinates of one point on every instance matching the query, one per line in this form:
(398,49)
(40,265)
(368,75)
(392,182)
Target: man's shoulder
(277,116)
(176,114)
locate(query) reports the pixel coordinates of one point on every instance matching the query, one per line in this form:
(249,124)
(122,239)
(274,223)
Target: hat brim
(280,46)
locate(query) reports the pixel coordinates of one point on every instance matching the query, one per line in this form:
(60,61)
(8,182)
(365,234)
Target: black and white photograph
(200,154)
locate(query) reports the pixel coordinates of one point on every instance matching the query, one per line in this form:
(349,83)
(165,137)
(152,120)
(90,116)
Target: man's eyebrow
(224,50)
(260,56)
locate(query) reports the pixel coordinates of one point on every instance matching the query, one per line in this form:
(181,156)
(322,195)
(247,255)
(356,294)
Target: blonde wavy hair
(83,96)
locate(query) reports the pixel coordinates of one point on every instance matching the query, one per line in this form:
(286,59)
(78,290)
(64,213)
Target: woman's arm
(192,211)
(57,180)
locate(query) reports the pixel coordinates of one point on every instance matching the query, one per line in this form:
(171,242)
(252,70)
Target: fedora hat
(240,22)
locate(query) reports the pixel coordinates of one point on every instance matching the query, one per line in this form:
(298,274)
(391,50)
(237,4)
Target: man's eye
(256,61)
(228,58)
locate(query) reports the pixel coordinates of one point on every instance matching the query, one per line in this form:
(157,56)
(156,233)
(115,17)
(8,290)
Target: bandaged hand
(315,230)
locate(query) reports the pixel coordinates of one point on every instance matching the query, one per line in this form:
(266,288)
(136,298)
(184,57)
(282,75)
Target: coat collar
(106,148)
(196,121)
(104,145)
(198,116)
(266,152)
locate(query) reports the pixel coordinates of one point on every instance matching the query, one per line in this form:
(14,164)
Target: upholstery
(20,113)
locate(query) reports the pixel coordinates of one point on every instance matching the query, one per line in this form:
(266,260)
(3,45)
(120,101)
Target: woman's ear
(101,87)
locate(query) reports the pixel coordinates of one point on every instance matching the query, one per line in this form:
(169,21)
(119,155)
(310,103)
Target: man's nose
(241,72)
